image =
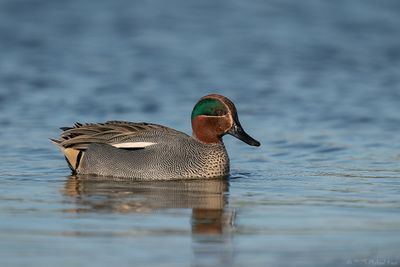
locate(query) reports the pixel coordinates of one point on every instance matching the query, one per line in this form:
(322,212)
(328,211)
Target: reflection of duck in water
(154,152)
(206,198)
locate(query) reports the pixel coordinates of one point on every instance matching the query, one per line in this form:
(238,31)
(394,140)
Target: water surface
(317,83)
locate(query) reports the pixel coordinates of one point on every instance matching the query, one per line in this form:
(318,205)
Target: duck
(148,151)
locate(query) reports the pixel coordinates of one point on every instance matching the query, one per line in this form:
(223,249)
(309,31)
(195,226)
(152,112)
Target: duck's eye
(209,107)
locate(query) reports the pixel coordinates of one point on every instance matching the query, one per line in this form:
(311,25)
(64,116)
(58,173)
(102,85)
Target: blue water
(316,82)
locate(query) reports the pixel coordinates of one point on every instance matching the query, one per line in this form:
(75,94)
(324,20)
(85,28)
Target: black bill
(238,132)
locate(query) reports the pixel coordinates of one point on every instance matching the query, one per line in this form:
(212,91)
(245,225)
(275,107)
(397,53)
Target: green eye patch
(209,107)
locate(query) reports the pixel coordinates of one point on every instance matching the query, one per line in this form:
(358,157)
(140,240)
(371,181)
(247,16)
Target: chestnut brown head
(214,116)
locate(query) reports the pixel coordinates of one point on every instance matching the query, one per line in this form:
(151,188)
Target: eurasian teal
(154,152)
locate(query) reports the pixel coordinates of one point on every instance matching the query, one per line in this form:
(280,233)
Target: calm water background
(317,82)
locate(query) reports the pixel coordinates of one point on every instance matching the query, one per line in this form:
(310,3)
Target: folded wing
(74,141)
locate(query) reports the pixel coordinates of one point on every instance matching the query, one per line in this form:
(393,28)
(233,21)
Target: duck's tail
(72,156)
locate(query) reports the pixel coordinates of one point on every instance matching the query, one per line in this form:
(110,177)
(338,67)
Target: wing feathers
(133,144)
(117,133)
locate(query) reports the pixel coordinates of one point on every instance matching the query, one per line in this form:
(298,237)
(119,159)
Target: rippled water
(317,82)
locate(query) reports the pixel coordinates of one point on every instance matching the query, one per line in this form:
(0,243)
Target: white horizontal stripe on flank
(133,144)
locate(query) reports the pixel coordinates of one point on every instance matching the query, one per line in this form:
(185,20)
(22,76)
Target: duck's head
(214,116)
